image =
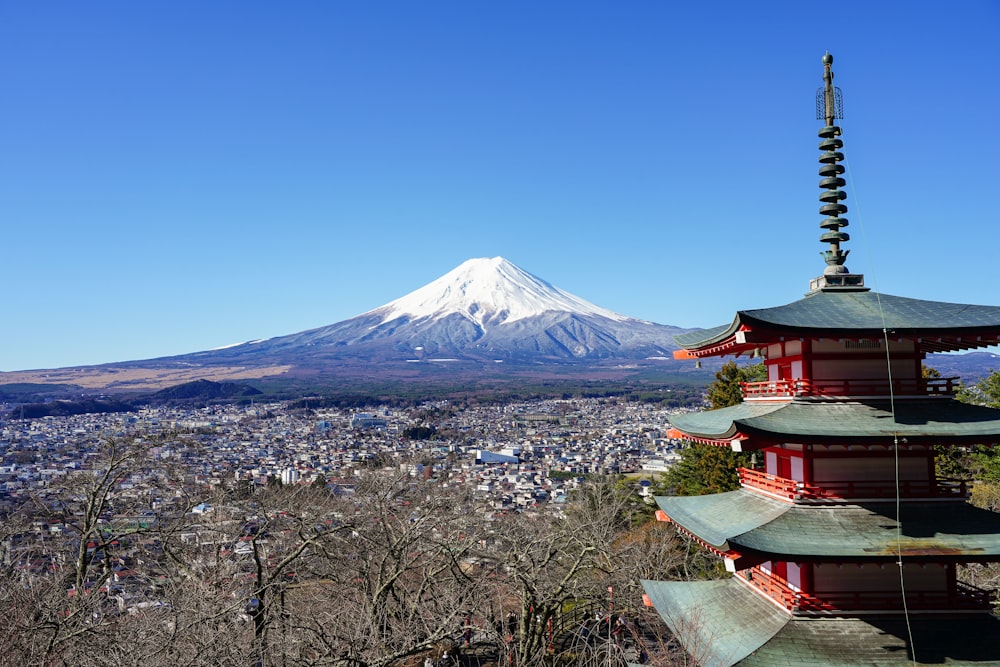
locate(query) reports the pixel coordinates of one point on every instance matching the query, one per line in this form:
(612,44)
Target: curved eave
(742,521)
(715,519)
(722,425)
(719,622)
(937,326)
(955,640)
(724,622)
(831,422)
(695,341)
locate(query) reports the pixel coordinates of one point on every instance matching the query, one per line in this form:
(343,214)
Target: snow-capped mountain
(489,292)
(485,309)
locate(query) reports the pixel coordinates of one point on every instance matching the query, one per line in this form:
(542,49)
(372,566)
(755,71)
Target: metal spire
(829,107)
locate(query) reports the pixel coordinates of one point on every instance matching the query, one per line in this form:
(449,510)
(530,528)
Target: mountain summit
(489,292)
(483,310)
(486,321)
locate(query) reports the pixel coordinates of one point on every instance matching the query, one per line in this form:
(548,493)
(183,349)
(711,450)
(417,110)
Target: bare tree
(72,607)
(399,567)
(154,567)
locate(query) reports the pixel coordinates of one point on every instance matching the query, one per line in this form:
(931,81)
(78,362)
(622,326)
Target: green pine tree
(705,469)
(978,463)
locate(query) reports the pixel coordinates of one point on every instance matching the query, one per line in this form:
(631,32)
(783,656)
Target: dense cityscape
(101,507)
(520,455)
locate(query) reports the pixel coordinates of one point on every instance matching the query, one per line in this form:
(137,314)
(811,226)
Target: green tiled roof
(807,421)
(746,521)
(723,623)
(718,622)
(718,517)
(964,641)
(694,338)
(857,314)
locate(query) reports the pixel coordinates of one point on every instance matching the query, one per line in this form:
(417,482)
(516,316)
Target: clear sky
(181,175)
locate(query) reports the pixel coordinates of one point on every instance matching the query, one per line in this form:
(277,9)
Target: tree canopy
(726,391)
(979,463)
(985,392)
(705,469)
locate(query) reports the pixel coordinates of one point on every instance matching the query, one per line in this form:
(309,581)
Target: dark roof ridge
(839,314)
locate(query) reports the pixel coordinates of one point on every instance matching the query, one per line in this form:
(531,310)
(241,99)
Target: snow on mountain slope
(489,292)
(486,310)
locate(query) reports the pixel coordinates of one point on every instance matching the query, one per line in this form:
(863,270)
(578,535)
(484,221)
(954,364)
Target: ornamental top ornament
(830,107)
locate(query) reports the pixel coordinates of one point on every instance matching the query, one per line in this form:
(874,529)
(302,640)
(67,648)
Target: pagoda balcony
(791,489)
(963,598)
(849,388)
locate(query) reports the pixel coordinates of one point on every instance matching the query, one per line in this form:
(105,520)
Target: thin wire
(892,410)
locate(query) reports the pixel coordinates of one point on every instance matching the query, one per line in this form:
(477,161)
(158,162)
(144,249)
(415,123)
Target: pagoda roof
(810,421)
(719,622)
(938,325)
(723,623)
(744,521)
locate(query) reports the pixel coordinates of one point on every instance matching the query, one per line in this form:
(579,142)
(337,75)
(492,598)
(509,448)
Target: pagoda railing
(779,486)
(964,597)
(829,490)
(849,387)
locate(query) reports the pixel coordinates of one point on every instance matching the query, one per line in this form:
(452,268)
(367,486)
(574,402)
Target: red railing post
(847,387)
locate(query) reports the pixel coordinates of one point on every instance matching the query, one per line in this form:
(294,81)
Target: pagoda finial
(832,101)
(830,107)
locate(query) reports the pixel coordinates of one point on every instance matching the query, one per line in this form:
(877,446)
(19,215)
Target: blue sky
(177,176)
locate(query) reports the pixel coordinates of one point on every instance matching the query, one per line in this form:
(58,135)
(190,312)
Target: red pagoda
(845,546)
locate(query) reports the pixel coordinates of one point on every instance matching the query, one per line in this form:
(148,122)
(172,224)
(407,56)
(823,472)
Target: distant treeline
(16,392)
(69,408)
(667,396)
(203,392)
(197,393)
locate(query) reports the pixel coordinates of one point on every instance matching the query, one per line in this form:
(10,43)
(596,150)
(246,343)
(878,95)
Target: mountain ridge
(486,309)
(471,289)
(482,317)
(482,324)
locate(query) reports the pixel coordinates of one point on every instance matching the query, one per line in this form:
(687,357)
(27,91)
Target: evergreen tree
(985,392)
(978,462)
(725,391)
(705,469)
